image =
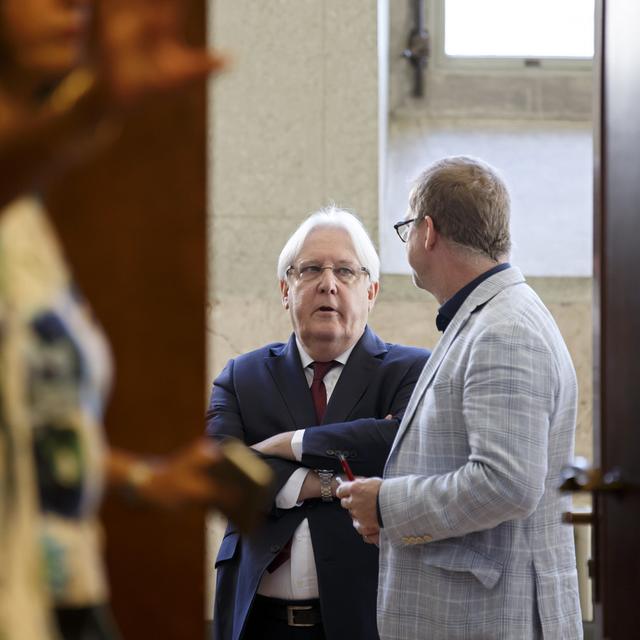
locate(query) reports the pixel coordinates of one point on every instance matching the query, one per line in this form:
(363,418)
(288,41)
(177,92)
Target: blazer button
(274,548)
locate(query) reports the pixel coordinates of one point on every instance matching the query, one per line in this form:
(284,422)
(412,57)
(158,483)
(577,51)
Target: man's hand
(278,446)
(179,480)
(359,498)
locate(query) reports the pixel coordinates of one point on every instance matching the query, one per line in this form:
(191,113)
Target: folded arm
(224,420)
(366,442)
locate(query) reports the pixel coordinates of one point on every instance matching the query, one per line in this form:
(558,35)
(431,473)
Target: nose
(328,282)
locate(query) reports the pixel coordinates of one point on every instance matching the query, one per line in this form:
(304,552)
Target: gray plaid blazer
(472,546)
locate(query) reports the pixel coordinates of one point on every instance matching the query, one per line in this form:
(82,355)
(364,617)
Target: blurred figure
(57,105)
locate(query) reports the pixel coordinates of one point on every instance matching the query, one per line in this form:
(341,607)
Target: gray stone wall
(294,127)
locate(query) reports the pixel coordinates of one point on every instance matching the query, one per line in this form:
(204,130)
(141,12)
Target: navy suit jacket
(265,392)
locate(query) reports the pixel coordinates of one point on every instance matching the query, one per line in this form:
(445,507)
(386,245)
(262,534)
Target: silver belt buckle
(291,609)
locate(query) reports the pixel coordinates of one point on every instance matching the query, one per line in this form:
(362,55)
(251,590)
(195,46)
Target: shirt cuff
(296,444)
(288,496)
(379,511)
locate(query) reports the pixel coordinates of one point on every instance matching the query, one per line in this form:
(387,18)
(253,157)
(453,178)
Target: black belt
(296,613)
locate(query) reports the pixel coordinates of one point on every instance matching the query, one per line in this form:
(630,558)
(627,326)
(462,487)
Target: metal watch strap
(326,476)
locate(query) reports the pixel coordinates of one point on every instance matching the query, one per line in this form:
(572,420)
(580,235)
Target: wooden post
(134,226)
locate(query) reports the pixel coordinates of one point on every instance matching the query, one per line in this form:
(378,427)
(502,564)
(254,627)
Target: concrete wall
(294,127)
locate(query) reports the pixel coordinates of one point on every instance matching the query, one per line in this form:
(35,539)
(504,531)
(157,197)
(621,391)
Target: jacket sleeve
(366,442)
(224,420)
(510,384)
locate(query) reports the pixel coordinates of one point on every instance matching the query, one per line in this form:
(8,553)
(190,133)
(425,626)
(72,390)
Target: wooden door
(133,223)
(617,321)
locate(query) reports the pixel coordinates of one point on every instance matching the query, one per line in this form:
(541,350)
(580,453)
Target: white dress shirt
(296,579)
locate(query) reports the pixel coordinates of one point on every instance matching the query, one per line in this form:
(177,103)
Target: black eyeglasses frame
(399,225)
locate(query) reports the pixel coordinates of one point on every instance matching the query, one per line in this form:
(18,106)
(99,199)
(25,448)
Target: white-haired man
(334,387)
(471,544)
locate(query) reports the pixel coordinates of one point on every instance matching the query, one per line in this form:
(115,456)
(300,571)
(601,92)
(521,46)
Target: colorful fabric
(54,374)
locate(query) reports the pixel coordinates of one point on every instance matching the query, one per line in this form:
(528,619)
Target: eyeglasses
(347,274)
(402,228)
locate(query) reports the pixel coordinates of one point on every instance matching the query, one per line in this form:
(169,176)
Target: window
(508,33)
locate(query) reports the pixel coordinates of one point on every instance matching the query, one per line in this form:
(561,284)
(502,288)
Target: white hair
(340,219)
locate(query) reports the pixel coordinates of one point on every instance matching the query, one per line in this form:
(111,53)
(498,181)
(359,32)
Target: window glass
(519,28)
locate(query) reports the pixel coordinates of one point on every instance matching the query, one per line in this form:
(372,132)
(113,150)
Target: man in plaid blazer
(468,513)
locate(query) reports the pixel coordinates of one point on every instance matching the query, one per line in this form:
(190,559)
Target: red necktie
(318,390)
(319,396)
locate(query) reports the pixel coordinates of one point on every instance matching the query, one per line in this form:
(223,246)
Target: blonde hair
(468,202)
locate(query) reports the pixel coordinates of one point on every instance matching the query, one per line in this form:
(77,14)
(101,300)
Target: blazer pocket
(228,548)
(454,557)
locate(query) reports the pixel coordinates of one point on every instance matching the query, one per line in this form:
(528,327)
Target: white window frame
(435,23)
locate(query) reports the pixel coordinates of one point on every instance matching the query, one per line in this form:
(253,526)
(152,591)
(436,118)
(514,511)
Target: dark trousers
(262,626)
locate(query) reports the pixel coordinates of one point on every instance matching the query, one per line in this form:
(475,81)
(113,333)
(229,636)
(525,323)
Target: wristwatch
(326,476)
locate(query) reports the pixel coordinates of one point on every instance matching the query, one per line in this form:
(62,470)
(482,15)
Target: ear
(430,233)
(284,291)
(372,293)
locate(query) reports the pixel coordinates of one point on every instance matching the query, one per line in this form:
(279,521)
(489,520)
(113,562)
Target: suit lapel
(285,367)
(355,378)
(430,369)
(476,300)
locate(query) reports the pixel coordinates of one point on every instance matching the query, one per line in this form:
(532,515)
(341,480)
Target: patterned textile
(54,373)
(472,546)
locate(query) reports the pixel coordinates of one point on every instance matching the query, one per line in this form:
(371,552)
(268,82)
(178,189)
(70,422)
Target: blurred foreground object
(65,86)
(245,472)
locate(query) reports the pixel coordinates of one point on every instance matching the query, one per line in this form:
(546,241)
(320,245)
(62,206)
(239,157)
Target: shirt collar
(449,309)
(307,359)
